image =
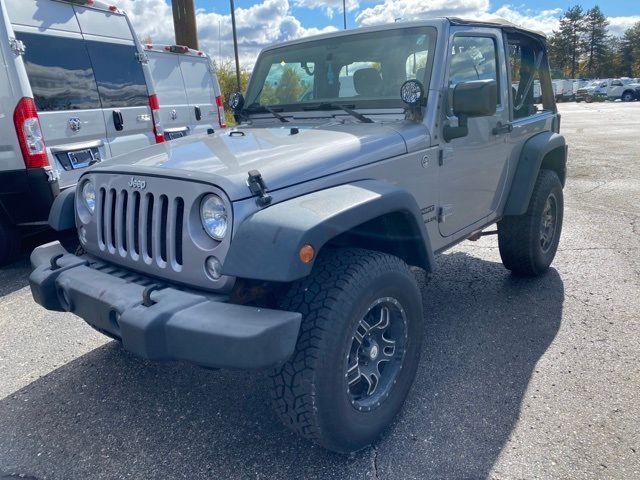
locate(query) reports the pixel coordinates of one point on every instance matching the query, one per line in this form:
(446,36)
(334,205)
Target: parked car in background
(76,90)
(594,90)
(607,89)
(188,90)
(624,89)
(563,90)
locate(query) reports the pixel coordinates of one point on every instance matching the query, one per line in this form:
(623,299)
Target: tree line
(583,47)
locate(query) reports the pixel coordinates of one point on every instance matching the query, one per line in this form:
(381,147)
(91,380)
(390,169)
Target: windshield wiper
(345,108)
(256,108)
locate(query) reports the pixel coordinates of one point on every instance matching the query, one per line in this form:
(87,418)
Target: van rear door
(198,80)
(118,70)
(66,96)
(170,89)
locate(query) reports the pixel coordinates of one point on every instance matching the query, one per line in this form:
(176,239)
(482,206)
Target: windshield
(364,70)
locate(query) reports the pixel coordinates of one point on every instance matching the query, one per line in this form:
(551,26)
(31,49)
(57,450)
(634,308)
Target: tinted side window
(119,75)
(59,72)
(473,58)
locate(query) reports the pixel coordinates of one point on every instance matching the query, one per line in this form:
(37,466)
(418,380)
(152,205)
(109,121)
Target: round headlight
(89,196)
(213,214)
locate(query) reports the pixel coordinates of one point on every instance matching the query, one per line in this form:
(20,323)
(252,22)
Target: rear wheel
(627,97)
(9,242)
(357,352)
(528,243)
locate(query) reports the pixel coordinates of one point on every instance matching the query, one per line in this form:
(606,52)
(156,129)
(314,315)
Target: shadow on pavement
(111,415)
(15,276)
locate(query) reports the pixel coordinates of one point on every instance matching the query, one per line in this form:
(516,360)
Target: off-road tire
(308,392)
(519,236)
(9,242)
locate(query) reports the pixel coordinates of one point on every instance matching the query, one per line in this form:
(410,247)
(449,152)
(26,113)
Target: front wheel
(357,352)
(528,243)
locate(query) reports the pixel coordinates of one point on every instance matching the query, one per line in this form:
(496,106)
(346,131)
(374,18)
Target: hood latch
(257,187)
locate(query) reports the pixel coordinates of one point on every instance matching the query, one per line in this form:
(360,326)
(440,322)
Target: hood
(282,157)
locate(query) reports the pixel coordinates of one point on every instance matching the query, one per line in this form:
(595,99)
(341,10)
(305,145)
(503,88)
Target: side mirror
(236,102)
(477,98)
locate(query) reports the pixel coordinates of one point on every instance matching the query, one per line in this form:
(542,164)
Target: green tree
(228,84)
(290,87)
(566,45)
(596,42)
(629,52)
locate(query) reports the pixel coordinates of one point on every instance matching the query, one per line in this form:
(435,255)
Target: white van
(187,88)
(75,89)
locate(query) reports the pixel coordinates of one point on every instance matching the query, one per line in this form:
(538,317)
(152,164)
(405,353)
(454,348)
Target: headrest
(367,82)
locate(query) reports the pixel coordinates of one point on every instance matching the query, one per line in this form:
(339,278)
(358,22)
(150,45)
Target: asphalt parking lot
(518,379)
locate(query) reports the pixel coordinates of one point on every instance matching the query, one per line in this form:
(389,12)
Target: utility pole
(344,13)
(235,44)
(184,23)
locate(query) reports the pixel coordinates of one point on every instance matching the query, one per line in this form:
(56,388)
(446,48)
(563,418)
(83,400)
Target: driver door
(474,167)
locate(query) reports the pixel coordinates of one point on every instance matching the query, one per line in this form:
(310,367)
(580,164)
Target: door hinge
(142,57)
(17,46)
(444,212)
(441,158)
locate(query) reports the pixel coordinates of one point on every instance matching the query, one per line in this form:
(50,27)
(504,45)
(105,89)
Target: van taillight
(220,105)
(25,119)
(155,117)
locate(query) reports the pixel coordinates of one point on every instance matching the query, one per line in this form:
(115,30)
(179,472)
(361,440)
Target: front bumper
(160,322)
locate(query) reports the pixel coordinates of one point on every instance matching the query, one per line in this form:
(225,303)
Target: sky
(264,22)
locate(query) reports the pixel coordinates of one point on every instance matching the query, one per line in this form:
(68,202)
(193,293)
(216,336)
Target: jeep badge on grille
(135,183)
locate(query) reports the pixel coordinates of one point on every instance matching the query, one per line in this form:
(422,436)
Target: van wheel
(357,352)
(528,243)
(9,242)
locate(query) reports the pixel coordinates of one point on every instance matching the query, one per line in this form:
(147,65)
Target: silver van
(188,90)
(75,90)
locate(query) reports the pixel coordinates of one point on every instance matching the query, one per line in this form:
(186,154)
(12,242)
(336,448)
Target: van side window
(60,73)
(119,75)
(473,58)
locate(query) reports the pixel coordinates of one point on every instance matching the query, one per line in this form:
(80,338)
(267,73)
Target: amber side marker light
(307,253)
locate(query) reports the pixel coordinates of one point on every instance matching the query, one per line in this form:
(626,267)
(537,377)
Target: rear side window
(198,80)
(167,77)
(60,73)
(119,75)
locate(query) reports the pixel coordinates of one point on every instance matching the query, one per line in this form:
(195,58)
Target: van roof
(175,49)
(94,4)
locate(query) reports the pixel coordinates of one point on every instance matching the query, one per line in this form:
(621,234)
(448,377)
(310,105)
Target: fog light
(82,234)
(213,268)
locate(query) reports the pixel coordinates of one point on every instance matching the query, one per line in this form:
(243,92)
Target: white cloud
(262,24)
(389,10)
(544,20)
(272,21)
(330,7)
(618,25)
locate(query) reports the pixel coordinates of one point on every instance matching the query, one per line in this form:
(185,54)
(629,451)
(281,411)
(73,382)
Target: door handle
(118,121)
(501,128)
(198,113)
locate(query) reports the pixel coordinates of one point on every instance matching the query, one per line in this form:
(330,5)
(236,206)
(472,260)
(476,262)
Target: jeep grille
(142,226)
(153,227)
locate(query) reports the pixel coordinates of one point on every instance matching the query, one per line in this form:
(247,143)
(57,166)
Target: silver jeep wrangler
(285,242)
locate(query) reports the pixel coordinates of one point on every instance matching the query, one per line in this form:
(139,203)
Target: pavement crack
(374,463)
